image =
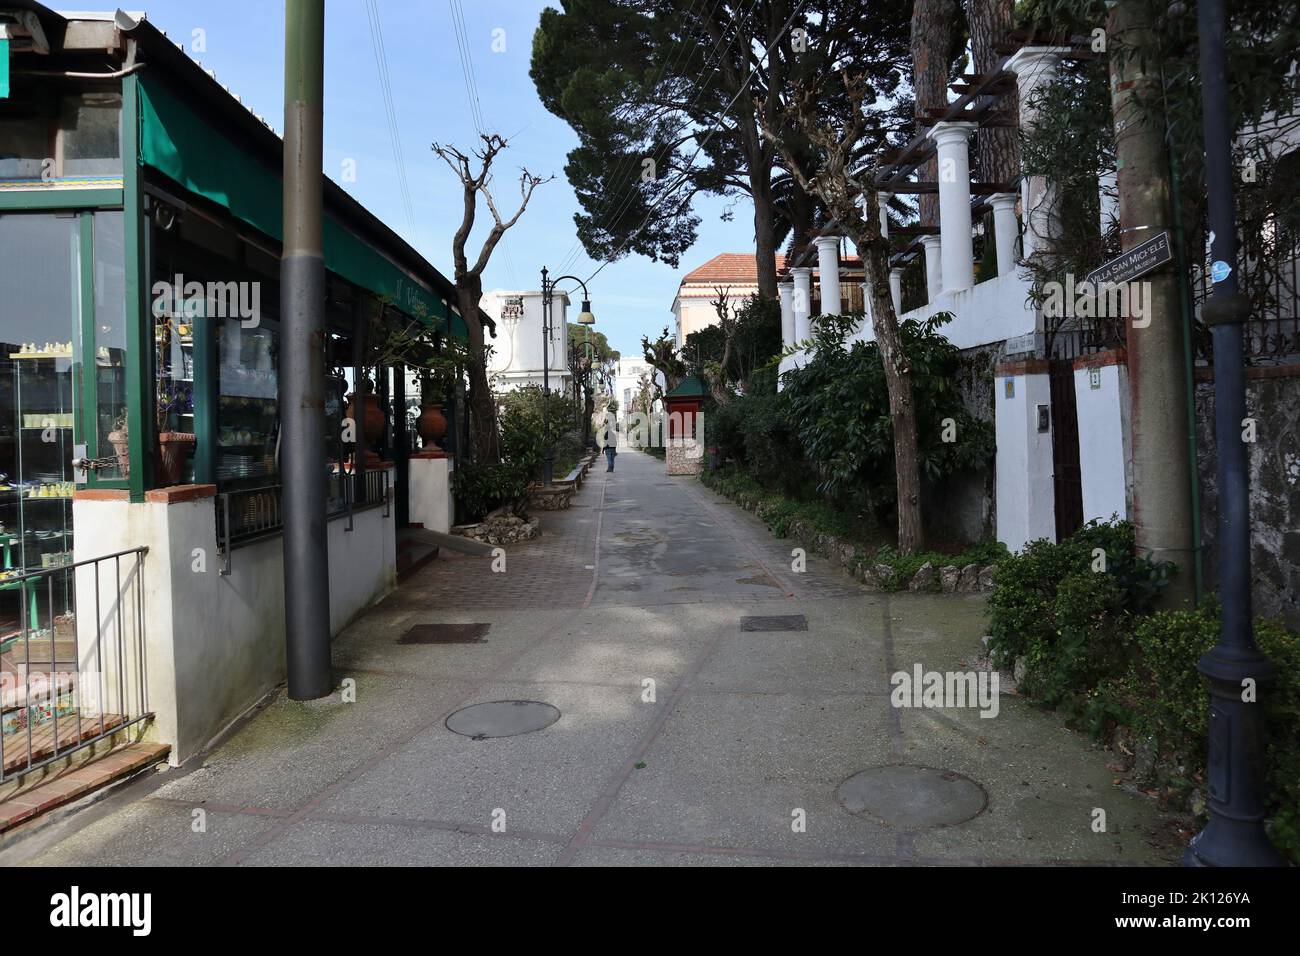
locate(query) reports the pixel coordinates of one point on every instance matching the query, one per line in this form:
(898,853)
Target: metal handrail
(44,708)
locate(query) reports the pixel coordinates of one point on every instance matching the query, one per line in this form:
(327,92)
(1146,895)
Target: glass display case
(248,419)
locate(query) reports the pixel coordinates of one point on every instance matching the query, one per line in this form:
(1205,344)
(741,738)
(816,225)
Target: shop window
(24,147)
(110,346)
(90,142)
(39,391)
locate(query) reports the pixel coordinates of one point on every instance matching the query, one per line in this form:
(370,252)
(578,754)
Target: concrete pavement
(682,738)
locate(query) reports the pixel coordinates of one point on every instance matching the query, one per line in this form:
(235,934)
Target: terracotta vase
(372,425)
(173,447)
(431,426)
(121,447)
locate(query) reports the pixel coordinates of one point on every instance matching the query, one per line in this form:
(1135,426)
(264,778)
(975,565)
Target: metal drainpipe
(1185,304)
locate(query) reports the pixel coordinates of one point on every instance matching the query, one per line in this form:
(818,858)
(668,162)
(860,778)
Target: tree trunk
(764,231)
(898,375)
(932,25)
(484,445)
(1162,496)
(996,149)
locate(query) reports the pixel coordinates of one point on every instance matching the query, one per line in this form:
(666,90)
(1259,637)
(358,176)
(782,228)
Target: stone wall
(684,456)
(1273,400)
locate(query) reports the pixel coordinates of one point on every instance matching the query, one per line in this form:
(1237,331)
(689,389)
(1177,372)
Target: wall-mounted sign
(1094,378)
(1009,388)
(1137,261)
(512,307)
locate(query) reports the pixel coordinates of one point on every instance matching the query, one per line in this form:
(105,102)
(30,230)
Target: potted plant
(173,446)
(372,418)
(431,424)
(121,443)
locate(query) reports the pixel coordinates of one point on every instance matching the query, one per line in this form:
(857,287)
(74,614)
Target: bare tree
(469,279)
(839,188)
(715,374)
(662,354)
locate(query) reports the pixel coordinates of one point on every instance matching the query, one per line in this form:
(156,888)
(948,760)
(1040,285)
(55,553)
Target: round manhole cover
(911,797)
(502,718)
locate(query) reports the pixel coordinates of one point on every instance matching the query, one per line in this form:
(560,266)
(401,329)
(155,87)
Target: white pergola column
(801,302)
(883,199)
(1005,230)
(828,268)
(1036,67)
(933,267)
(786,291)
(952,140)
(896,289)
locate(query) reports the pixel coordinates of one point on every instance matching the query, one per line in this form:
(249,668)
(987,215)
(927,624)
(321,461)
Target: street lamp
(585,317)
(1235,834)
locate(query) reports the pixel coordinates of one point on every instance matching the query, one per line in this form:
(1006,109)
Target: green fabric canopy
(181,145)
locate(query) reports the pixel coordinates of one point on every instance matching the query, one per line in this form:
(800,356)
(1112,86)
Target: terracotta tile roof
(736,267)
(739,268)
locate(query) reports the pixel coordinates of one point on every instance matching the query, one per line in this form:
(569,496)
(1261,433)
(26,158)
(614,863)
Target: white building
(736,273)
(516,358)
(627,381)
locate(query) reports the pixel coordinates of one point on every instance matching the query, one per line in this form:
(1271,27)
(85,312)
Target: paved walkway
(748,734)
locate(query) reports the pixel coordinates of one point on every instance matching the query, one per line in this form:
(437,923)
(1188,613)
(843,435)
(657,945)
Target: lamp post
(1236,669)
(585,317)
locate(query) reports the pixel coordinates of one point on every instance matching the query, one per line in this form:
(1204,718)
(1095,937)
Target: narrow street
(736,756)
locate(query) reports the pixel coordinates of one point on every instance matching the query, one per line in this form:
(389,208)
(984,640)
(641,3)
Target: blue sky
(245,43)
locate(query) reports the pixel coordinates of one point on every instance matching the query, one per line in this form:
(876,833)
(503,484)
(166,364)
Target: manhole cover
(445,634)
(502,718)
(911,797)
(783,622)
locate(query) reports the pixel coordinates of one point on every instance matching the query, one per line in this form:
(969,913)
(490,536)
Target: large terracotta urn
(372,424)
(431,426)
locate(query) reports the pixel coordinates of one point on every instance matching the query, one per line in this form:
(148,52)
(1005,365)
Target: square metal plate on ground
(445,634)
(783,622)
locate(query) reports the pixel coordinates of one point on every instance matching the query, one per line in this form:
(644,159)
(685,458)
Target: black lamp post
(585,317)
(1235,834)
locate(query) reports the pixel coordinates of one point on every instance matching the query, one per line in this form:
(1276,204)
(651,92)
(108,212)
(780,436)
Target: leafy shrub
(1168,700)
(1028,597)
(480,489)
(838,406)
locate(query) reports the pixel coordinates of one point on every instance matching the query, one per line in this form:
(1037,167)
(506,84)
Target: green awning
(180,145)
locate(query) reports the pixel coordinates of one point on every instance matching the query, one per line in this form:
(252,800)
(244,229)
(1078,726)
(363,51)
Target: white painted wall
(1103,440)
(429,489)
(1026,500)
(517,349)
(214,644)
(990,311)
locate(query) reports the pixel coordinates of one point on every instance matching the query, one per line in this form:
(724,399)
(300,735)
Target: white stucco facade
(214,644)
(517,349)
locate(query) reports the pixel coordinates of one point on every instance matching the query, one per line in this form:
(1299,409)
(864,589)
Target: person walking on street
(610,451)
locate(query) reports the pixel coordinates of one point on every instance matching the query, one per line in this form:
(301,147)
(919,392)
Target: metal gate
(1067,479)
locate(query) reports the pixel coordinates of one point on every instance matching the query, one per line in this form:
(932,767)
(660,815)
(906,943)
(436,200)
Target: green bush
(1166,698)
(838,406)
(1029,598)
(480,489)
